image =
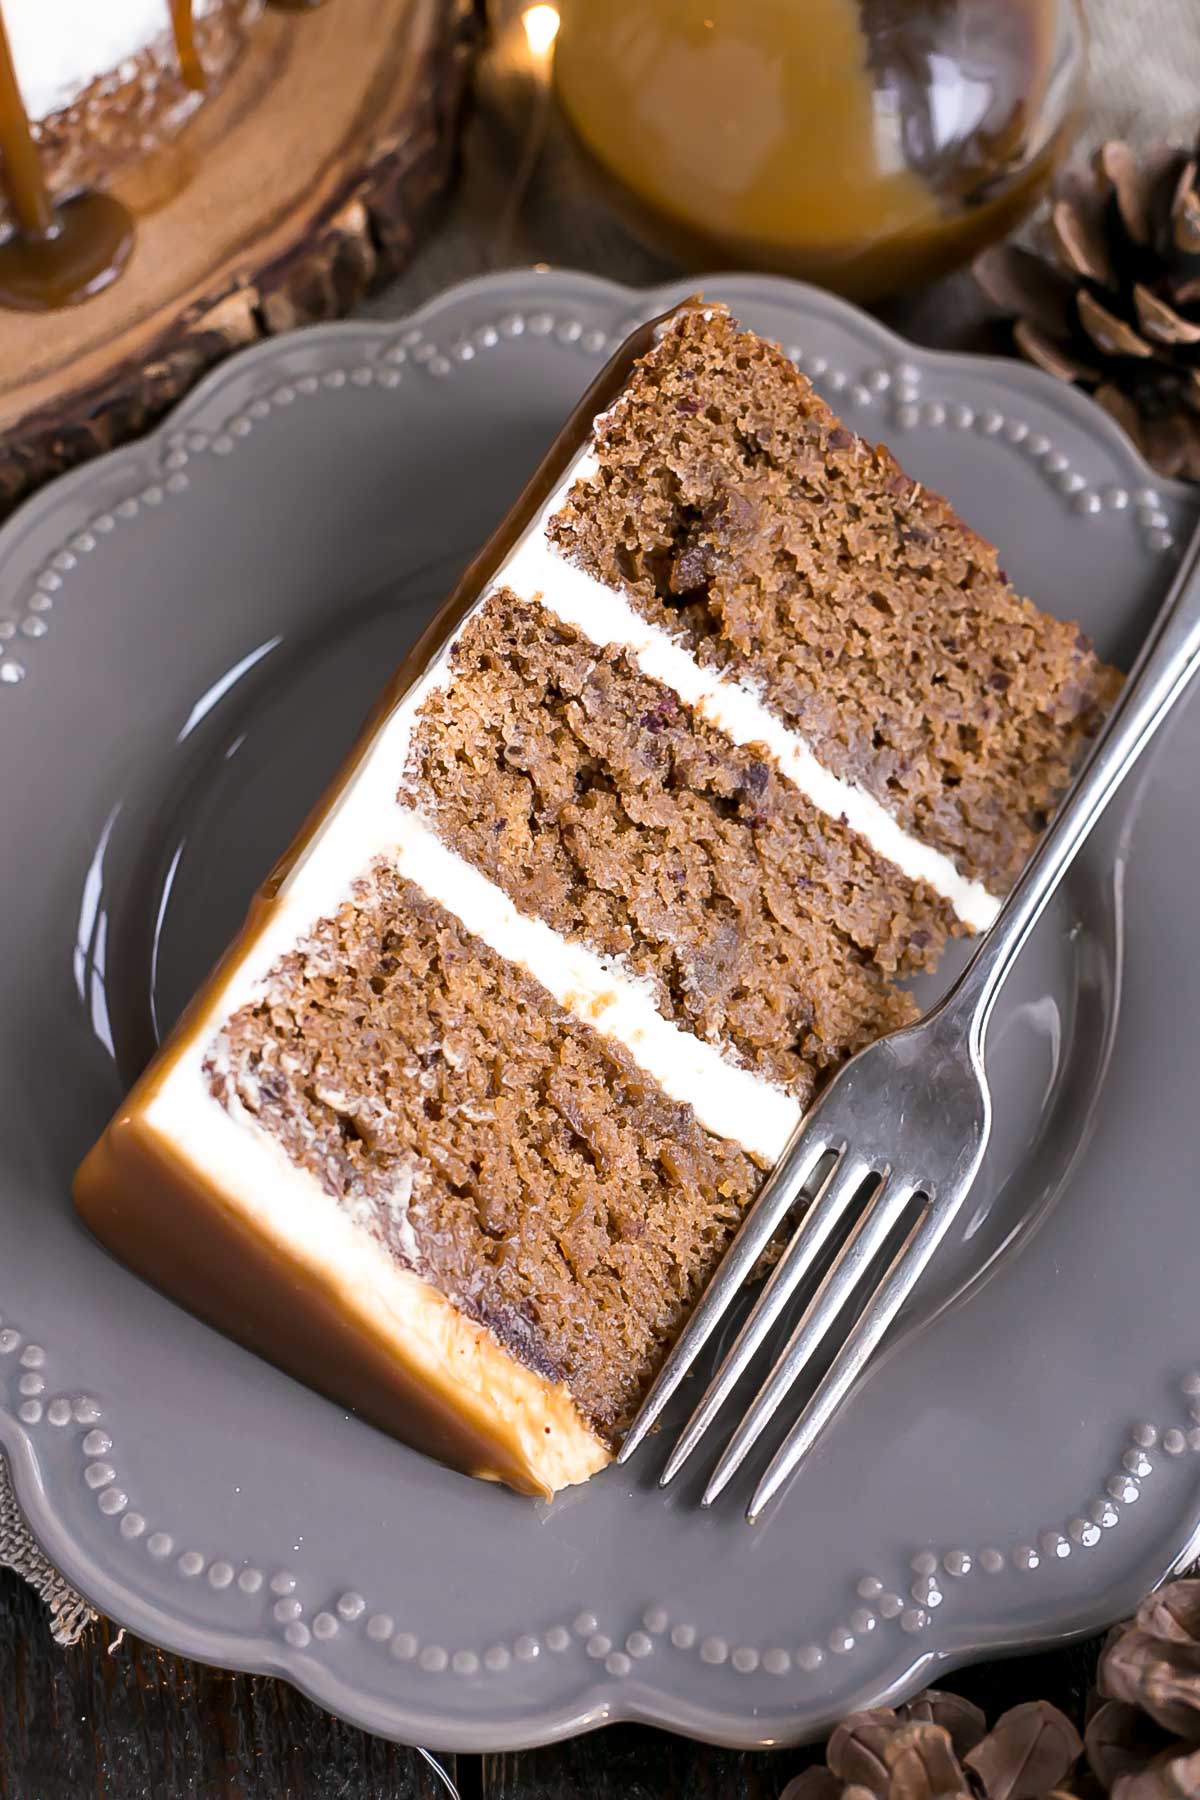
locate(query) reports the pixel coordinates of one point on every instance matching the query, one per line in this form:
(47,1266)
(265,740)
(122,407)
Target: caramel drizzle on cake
(183,24)
(58,254)
(66,247)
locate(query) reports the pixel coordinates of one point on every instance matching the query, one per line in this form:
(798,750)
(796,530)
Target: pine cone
(1116,307)
(938,1748)
(1142,1740)
(1154,1661)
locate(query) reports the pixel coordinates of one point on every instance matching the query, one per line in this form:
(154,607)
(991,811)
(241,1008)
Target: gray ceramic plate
(192,629)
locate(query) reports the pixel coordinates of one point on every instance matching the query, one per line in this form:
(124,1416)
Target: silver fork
(908,1117)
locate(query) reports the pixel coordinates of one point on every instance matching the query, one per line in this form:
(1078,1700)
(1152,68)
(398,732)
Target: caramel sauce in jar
(863,144)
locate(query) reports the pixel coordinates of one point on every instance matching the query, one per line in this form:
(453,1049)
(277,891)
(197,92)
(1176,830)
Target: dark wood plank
(634,1763)
(631,1762)
(125,1722)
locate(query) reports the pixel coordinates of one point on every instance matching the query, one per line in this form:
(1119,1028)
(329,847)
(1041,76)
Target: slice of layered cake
(725,733)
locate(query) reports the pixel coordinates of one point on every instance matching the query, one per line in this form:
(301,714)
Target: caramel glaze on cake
(126,113)
(726,731)
(63,237)
(70,130)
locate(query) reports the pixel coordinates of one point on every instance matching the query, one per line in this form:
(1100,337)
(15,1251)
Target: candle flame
(541,28)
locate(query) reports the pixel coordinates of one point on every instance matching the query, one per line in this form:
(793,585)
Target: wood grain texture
(304,182)
(125,1722)
(632,1762)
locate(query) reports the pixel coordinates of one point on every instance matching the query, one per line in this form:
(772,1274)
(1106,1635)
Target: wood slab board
(305,180)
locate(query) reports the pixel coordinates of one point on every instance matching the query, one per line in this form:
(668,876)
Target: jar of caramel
(867,145)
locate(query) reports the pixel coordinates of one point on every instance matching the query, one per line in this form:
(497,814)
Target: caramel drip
(58,254)
(183,24)
(295,5)
(20,164)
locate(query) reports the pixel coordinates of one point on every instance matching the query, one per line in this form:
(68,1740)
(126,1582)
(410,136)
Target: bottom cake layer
(307,1290)
(513,1157)
(397,1154)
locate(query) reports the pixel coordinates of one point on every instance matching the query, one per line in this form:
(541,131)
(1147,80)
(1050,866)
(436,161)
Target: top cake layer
(692,771)
(735,510)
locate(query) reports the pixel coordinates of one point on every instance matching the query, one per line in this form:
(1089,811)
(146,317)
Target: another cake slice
(726,731)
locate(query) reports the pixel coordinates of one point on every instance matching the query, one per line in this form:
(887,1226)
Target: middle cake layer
(605,807)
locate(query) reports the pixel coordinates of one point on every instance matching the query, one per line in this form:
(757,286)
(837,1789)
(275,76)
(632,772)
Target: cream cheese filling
(536,570)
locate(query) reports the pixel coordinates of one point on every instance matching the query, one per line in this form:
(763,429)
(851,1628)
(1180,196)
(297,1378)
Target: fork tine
(861,1247)
(778,1195)
(808,1241)
(905,1270)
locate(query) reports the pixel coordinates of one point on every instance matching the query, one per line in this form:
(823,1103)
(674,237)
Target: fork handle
(1165,665)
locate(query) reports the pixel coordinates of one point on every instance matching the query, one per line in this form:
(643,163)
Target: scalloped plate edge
(598,1702)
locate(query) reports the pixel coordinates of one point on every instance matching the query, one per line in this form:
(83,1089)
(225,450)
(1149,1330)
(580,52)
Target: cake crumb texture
(605,807)
(732,506)
(511,1155)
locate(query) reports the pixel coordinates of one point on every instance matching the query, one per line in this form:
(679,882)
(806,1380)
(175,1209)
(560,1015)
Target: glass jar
(867,145)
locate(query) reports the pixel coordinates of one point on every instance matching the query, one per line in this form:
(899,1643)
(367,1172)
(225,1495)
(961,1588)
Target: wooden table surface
(122,1721)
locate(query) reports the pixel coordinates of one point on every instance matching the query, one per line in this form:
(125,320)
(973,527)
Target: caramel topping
(61,254)
(184,26)
(64,250)
(21,166)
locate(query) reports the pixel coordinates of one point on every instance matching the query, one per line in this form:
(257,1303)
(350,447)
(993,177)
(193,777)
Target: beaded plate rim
(905,382)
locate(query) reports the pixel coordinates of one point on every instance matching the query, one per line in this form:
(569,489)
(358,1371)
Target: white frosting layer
(61,46)
(367,823)
(536,570)
(727,1099)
